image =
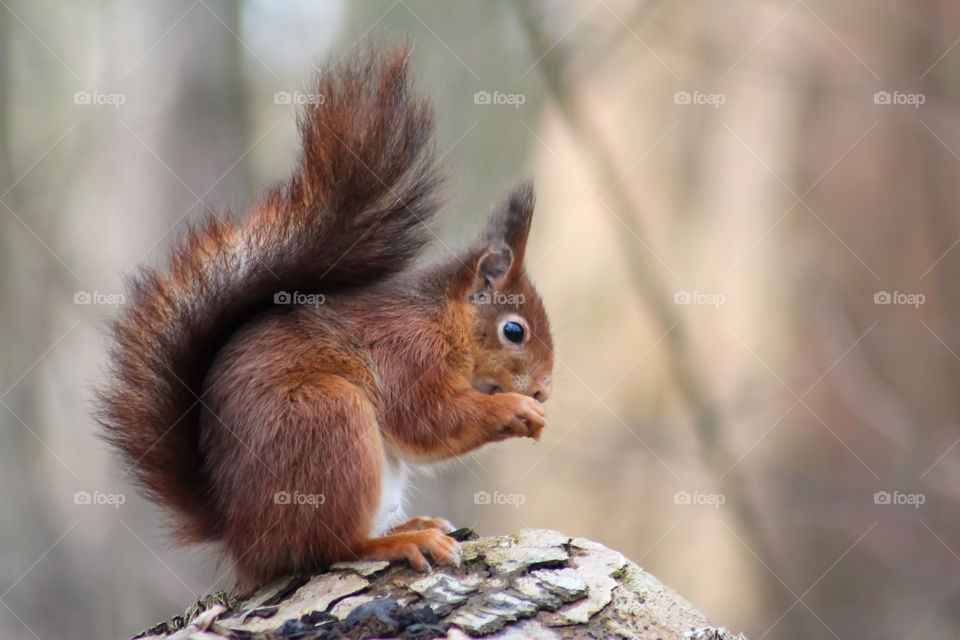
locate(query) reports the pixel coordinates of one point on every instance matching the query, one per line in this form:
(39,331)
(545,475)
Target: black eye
(513,332)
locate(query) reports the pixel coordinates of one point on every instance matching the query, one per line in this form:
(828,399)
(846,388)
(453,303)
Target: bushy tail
(352,213)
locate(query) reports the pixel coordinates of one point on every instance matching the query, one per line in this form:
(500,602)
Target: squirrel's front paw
(518,415)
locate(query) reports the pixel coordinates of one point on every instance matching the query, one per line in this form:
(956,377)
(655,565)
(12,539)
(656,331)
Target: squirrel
(275,384)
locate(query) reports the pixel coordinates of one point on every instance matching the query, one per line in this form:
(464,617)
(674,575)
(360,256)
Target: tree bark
(538,584)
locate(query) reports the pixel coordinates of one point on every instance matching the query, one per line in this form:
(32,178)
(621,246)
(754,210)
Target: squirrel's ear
(509,224)
(494,265)
(483,269)
(502,244)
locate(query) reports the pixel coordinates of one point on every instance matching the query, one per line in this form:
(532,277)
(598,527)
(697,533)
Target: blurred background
(745,237)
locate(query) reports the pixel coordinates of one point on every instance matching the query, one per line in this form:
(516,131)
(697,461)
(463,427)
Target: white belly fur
(393,490)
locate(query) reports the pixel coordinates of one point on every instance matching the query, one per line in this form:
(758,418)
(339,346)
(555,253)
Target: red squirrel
(273,386)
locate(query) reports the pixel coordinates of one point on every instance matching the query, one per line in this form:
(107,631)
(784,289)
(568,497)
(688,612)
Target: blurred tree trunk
(176,145)
(28,240)
(191,148)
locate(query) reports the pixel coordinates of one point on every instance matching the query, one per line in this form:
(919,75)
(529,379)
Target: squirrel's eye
(513,332)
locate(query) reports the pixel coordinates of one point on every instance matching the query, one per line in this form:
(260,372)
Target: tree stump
(538,584)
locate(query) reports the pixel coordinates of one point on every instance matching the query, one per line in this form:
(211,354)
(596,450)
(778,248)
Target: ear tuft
(510,222)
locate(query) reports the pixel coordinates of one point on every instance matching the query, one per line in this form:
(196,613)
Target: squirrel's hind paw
(421,523)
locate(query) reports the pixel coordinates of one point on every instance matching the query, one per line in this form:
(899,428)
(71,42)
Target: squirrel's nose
(543,392)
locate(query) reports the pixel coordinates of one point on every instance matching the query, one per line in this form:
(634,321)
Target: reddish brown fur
(396,363)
